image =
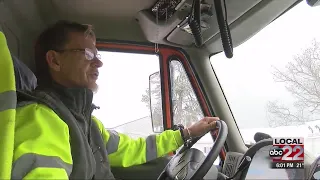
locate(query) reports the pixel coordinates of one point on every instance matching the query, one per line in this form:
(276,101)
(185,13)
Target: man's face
(73,69)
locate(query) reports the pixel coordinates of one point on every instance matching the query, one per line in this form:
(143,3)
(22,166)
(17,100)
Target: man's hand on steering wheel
(190,163)
(201,127)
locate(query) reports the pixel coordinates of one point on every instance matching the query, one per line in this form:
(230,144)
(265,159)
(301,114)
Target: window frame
(174,58)
(200,95)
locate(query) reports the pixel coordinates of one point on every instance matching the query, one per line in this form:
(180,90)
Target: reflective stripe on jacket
(42,147)
(125,151)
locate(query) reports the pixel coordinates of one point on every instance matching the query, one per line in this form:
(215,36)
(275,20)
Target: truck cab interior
(190,31)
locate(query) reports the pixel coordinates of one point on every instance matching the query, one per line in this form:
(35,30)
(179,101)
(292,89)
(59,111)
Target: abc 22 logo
(287,153)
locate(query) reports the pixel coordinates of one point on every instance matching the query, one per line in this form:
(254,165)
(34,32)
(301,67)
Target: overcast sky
(246,78)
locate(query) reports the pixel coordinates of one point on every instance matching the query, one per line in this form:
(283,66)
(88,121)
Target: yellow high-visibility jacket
(42,147)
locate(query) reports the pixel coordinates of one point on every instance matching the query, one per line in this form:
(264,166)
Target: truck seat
(24,77)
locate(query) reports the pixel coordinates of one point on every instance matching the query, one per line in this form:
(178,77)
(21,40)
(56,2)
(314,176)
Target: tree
(186,109)
(302,80)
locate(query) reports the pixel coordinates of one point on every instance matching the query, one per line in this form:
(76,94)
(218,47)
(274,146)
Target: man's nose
(97,63)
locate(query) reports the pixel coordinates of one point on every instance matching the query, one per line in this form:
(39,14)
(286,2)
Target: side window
(186,107)
(123,92)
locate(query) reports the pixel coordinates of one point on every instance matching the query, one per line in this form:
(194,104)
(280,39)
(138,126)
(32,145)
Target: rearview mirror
(156,102)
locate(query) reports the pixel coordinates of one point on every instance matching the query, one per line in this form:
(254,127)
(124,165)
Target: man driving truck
(56,136)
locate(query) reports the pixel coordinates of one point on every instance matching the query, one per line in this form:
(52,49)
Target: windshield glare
(272,83)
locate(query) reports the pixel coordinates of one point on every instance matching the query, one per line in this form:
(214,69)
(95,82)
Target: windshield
(272,83)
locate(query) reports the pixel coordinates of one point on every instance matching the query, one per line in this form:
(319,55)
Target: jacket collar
(78,100)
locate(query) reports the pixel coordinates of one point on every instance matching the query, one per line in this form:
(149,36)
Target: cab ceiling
(127,20)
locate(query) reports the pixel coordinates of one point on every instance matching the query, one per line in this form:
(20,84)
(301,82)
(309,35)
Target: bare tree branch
(302,80)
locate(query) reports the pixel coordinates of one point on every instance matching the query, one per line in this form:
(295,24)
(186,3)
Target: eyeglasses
(88,53)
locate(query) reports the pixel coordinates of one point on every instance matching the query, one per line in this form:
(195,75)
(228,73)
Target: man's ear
(53,61)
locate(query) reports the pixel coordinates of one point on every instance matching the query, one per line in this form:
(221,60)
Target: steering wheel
(190,163)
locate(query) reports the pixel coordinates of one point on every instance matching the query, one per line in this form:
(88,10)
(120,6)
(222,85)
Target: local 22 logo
(287,149)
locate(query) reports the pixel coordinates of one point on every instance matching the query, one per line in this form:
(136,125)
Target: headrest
(25,79)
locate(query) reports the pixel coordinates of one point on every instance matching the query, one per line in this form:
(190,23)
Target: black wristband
(181,128)
(182,135)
